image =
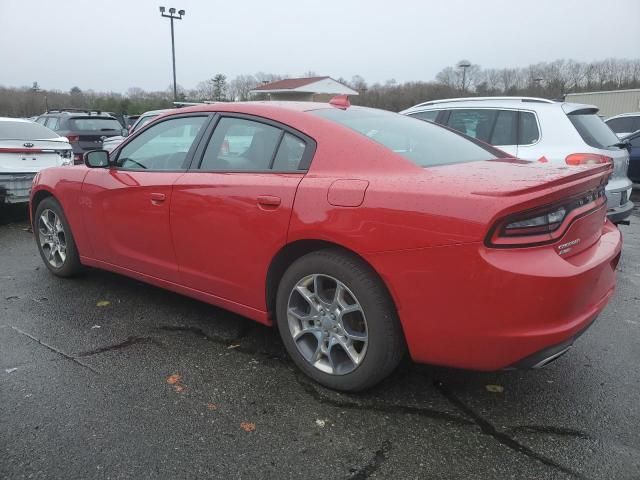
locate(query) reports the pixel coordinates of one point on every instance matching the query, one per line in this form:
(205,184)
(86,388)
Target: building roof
(306,85)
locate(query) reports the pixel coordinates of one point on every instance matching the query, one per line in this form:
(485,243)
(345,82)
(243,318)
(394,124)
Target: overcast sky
(116,44)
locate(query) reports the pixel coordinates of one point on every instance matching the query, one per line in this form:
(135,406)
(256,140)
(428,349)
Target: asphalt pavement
(105,377)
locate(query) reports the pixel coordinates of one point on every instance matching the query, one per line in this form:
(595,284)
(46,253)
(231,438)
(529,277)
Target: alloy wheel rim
(52,237)
(327,324)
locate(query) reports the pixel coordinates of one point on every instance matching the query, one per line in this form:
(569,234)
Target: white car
(25,149)
(542,130)
(624,124)
(112,142)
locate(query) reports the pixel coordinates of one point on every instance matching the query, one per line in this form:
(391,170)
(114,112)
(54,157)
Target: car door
(492,126)
(634,158)
(126,210)
(230,213)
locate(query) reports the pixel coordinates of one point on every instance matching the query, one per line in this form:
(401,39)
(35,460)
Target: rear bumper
(620,213)
(471,307)
(15,187)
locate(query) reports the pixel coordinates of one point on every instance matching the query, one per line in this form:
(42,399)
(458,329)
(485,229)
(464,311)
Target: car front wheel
(338,322)
(55,240)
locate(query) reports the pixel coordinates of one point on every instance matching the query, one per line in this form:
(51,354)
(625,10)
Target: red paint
(461,303)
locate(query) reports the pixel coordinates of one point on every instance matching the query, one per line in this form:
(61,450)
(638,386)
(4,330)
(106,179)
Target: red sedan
(361,234)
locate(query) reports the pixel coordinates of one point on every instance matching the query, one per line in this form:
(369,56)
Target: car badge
(27,144)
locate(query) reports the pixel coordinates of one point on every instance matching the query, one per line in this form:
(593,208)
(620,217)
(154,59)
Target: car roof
(628,114)
(529,103)
(256,106)
(9,119)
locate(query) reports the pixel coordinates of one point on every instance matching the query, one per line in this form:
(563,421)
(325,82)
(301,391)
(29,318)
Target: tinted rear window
(95,123)
(423,143)
(593,130)
(25,131)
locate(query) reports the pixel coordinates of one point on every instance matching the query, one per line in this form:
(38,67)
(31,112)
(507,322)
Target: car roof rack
(480,99)
(78,110)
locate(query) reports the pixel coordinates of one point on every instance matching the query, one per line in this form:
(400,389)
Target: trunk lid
(32,156)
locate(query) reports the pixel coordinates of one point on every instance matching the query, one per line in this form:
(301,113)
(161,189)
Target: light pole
(172,16)
(464,64)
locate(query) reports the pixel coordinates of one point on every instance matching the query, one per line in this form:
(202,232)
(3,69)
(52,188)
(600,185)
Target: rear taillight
(587,159)
(73,138)
(544,224)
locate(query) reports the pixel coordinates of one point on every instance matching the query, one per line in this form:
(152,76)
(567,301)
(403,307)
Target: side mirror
(96,159)
(124,132)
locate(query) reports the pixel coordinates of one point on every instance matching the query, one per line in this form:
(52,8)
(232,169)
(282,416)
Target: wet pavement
(105,377)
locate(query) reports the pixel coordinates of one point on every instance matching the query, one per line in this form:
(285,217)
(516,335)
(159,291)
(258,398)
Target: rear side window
(528,132)
(423,143)
(593,130)
(621,125)
(11,130)
(289,153)
(504,131)
(96,124)
(241,145)
(474,123)
(430,115)
(52,123)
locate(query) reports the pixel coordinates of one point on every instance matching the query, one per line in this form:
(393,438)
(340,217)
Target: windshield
(98,124)
(25,131)
(593,130)
(423,143)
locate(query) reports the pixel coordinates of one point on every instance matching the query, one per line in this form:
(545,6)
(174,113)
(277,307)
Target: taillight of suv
(587,159)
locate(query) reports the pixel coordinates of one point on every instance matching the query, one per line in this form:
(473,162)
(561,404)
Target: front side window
(163,146)
(429,115)
(474,123)
(528,132)
(238,144)
(423,143)
(143,121)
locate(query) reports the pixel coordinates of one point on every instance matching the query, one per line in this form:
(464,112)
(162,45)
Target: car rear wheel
(338,322)
(55,240)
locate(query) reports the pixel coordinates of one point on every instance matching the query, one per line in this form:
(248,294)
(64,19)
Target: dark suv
(85,129)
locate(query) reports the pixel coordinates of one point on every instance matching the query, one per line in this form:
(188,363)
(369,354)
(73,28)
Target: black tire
(386,345)
(71,265)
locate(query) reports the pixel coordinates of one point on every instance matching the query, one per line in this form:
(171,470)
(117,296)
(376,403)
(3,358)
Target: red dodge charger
(362,234)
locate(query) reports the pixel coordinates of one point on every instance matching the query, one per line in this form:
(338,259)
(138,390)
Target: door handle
(269,201)
(158,198)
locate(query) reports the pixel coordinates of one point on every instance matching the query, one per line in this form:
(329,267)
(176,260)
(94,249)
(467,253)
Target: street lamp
(172,16)
(464,64)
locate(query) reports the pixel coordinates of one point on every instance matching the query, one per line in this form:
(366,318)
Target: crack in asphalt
(549,430)
(130,341)
(227,342)
(55,350)
(488,428)
(379,457)
(379,407)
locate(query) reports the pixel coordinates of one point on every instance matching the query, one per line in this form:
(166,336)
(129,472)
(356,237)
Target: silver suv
(542,130)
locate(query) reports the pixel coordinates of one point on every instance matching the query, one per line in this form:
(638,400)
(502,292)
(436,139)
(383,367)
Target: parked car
(360,233)
(85,129)
(112,142)
(633,142)
(624,124)
(25,149)
(539,129)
